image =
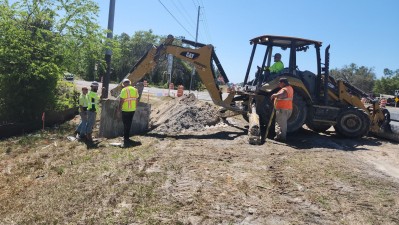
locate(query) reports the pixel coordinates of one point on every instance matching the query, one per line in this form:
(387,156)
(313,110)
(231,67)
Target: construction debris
(183,113)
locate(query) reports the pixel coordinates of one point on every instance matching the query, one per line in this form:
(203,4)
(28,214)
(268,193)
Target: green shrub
(66,96)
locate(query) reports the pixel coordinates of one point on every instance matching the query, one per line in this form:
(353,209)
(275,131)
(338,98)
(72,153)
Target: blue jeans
(81,129)
(91,120)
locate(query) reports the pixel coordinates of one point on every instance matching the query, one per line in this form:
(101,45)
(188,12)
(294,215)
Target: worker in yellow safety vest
(283,105)
(92,109)
(277,66)
(127,105)
(83,104)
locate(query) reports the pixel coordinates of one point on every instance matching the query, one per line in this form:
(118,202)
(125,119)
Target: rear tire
(298,116)
(352,123)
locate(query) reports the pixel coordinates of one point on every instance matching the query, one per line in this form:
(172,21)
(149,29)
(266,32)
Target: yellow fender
(296,83)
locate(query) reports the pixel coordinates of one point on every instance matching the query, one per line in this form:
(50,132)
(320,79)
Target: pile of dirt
(183,113)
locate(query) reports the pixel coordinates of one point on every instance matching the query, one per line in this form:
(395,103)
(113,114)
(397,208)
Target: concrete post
(111,125)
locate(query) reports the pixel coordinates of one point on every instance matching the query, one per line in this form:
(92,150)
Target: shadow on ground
(307,139)
(301,140)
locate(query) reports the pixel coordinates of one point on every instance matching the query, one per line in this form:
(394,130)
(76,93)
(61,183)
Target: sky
(363,32)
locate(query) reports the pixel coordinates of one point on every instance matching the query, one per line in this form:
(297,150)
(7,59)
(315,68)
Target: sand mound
(184,113)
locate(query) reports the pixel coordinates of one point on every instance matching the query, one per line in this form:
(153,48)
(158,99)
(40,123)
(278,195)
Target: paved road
(394,113)
(202,95)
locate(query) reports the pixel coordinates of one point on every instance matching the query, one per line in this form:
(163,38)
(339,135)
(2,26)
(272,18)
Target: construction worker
(92,110)
(277,66)
(283,105)
(127,105)
(83,103)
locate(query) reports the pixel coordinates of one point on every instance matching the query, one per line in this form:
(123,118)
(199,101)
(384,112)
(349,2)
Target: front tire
(352,123)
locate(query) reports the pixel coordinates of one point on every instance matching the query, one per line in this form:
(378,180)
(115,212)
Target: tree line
(364,78)
(129,49)
(40,40)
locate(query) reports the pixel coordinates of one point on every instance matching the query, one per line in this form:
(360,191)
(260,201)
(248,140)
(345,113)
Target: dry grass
(48,183)
(196,178)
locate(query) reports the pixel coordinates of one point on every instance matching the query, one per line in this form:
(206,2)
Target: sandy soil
(201,171)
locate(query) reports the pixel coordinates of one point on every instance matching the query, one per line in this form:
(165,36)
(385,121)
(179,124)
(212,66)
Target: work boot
(81,137)
(279,139)
(129,141)
(89,137)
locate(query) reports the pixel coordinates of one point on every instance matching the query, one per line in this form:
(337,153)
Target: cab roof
(283,41)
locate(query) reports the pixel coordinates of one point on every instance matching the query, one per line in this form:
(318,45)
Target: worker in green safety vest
(277,66)
(92,109)
(83,104)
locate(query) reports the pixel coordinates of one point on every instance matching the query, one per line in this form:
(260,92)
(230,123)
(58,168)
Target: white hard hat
(94,84)
(125,80)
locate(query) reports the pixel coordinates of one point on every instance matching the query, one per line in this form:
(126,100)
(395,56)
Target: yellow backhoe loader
(320,101)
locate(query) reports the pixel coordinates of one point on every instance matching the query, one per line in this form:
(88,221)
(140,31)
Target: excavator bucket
(387,130)
(392,136)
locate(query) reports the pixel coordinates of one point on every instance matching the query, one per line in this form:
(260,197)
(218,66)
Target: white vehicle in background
(68,76)
(390,99)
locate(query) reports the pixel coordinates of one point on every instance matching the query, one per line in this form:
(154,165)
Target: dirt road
(199,175)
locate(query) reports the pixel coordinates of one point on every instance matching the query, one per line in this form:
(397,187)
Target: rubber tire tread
(298,108)
(361,115)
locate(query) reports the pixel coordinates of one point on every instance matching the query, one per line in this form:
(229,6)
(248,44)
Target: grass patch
(29,140)
(58,170)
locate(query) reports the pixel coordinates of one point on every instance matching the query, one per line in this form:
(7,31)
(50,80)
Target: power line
(176,19)
(182,14)
(206,27)
(186,13)
(195,4)
(198,3)
(205,21)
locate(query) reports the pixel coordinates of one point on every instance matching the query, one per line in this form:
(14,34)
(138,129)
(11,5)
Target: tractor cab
(299,61)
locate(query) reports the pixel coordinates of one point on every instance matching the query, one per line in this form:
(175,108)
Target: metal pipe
(108,52)
(326,73)
(250,63)
(196,39)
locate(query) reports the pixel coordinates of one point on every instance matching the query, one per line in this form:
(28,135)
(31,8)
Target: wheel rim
(351,123)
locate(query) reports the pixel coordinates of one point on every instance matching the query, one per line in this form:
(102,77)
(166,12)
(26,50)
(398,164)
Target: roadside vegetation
(40,40)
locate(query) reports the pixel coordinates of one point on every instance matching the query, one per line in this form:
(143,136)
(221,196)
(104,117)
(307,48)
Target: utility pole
(108,52)
(196,39)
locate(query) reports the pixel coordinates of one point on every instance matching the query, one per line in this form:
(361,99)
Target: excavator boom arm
(202,58)
(139,70)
